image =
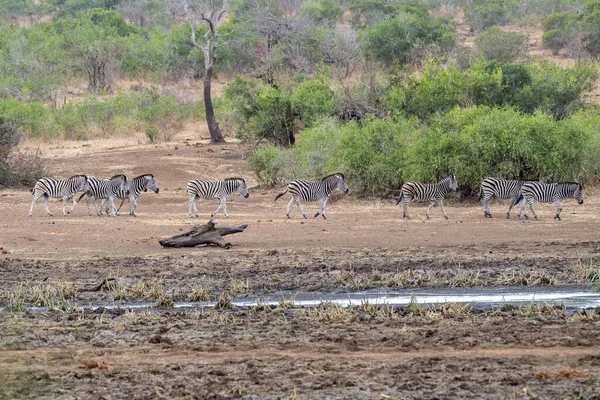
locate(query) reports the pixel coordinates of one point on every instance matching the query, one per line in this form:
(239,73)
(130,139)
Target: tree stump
(203,234)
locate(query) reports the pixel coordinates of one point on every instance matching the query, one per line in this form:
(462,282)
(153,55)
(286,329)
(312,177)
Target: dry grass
(329,312)
(585,271)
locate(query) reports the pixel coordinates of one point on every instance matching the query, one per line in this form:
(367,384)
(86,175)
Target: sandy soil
(286,353)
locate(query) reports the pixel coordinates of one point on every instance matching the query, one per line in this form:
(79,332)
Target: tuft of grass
(585,271)
(200,293)
(238,391)
(384,311)
(164,300)
(329,312)
(526,278)
(545,310)
(239,286)
(224,302)
(464,278)
(139,289)
(285,304)
(449,310)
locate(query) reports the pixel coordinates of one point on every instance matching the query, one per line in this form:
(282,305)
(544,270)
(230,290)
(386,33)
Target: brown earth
(286,353)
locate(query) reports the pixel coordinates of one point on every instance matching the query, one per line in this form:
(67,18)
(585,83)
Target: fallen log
(203,234)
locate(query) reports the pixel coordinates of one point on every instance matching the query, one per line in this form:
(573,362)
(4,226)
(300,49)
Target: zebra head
(449,181)
(337,180)
(239,186)
(79,182)
(150,183)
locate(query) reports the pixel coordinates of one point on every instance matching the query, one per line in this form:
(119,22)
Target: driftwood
(203,234)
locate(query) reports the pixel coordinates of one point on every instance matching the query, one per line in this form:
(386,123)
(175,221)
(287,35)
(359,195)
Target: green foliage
(393,40)
(480,141)
(556,90)
(495,44)
(266,162)
(591,23)
(326,12)
(559,31)
(487,13)
(311,101)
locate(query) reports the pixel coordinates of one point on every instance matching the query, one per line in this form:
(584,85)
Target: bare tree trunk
(213,126)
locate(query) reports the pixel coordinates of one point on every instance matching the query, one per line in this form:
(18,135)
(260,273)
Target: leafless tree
(208,13)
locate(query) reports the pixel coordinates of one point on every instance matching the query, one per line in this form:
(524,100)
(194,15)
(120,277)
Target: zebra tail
(518,200)
(281,194)
(480,194)
(80,197)
(400,198)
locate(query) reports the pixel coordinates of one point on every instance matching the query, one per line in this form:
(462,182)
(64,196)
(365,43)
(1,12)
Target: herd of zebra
(118,187)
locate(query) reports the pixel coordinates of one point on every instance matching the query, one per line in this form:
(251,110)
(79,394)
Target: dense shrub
(495,44)
(559,31)
(480,141)
(487,13)
(16,169)
(312,100)
(394,40)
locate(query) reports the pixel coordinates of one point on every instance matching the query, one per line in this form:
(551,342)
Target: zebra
(133,190)
(198,189)
(65,188)
(320,191)
(549,193)
(432,192)
(501,188)
(105,190)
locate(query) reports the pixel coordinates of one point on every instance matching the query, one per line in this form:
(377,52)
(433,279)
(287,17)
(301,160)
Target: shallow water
(571,298)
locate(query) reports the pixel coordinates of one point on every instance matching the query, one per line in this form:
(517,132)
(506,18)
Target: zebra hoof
(536,218)
(227,216)
(316,215)
(288,216)
(324,217)
(507,216)
(305,216)
(428,217)
(445,217)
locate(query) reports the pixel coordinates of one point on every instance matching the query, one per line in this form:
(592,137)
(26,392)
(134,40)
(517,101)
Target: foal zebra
(501,188)
(432,192)
(549,193)
(320,191)
(65,188)
(198,189)
(104,190)
(133,190)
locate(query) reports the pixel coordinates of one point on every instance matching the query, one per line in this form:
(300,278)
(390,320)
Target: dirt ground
(285,353)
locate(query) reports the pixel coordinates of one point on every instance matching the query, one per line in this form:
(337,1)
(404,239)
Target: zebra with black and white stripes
(57,188)
(133,190)
(199,189)
(431,192)
(501,188)
(549,193)
(104,190)
(320,191)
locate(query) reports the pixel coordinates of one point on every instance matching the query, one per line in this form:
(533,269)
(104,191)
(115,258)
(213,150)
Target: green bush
(487,13)
(311,101)
(16,169)
(559,31)
(393,40)
(480,141)
(495,44)
(326,12)
(266,163)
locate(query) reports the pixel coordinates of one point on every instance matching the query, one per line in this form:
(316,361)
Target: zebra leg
(123,202)
(300,208)
(558,210)
(98,208)
(486,207)
(292,201)
(192,206)
(87,199)
(132,206)
(431,204)
(46,205)
(221,201)
(322,210)
(113,208)
(35,199)
(65,199)
(530,201)
(441,204)
(510,206)
(74,204)
(405,208)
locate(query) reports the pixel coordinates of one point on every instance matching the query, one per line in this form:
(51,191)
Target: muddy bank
(270,271)
(261,353)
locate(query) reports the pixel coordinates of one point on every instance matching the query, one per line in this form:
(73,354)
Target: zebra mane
(78,176)
(336,174)
(234,179)
(122,176)
(444,178)
(143,176)
(570,183)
